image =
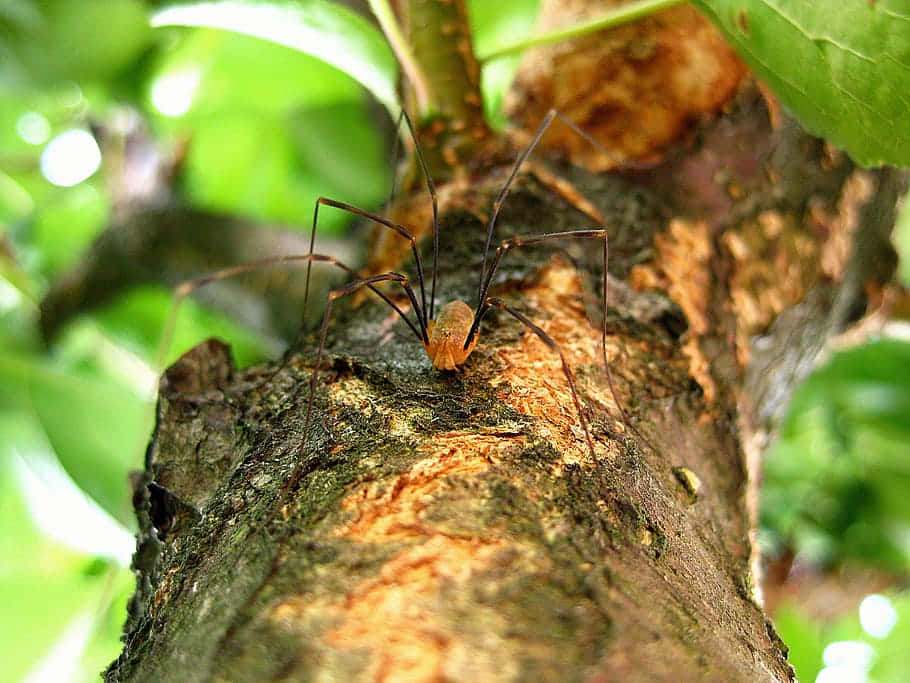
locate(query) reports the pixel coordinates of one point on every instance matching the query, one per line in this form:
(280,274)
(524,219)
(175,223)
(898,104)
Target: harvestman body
(449,337)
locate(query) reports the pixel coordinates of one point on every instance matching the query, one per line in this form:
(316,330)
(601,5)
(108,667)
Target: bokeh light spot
(70,158)
(33,128)
(172,94)
(877,615)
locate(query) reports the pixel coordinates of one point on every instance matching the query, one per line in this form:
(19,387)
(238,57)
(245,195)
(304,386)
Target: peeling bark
(452,526)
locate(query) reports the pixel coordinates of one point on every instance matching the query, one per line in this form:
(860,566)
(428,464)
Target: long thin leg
(552,115)
(424,314)
(190,286)
(521,241)
(333,295)
(431,189)
(549,341)
(526,240)
(301,462)
(420,310)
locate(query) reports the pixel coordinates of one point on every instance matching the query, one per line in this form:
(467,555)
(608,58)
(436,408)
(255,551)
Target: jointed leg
(431,190)
(187,288)
(521,241)
(369,282)
(420,310)
(336,294)
(424,314)
(529,240)
(549,341)
(552,115)
(487,275)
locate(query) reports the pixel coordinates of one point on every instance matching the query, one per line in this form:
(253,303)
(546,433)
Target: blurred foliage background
(260,129)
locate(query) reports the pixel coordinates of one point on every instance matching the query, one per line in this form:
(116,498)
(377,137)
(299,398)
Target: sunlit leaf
(105,643)
(808,637)
(274,169)
(843,68)
(44,586)
(243,74)
(138,318)
(902,242)
(63,227)
(322,29)
(804,639)
(271,129)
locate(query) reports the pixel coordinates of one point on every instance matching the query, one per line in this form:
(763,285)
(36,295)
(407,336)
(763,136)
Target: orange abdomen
(447,336)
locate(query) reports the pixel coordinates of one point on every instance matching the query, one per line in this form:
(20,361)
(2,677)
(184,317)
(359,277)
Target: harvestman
(449,337)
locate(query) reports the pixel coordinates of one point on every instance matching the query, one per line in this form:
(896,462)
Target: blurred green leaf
(835,484)
(866,386)
(275,169)
(105,644)
(15,201)
(64,226)
(804,638)
(328,31)
(138,319)
(902,242)
(271,129)
(19,14)
(44,586)
(891,663)
(493,25)
(808,638)
(93,425)
(844,68)
(239,73)
(77,39)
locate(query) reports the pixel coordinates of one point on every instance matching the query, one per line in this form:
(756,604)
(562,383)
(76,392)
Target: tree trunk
(454,526)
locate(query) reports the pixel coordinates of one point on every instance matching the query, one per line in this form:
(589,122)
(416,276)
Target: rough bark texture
(453,526)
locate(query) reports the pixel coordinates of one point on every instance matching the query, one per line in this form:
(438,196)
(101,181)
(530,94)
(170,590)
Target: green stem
(389,24)
(617,17)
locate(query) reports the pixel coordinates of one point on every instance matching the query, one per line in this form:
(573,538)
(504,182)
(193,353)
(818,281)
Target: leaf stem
(616,17)
(389,24)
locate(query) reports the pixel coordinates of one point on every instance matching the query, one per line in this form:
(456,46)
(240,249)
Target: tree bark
(453,526)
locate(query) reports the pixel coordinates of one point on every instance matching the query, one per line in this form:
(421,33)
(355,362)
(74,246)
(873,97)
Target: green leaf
(275,168)
(804,639)
(835,484)
(239,73)
(105,643)
(46,587)
(96,428)
(77,39)
(902,243)
(843,68)
(494,24)
(272,129)
(322,29)
(808,636)
(67,223)
(138,318)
